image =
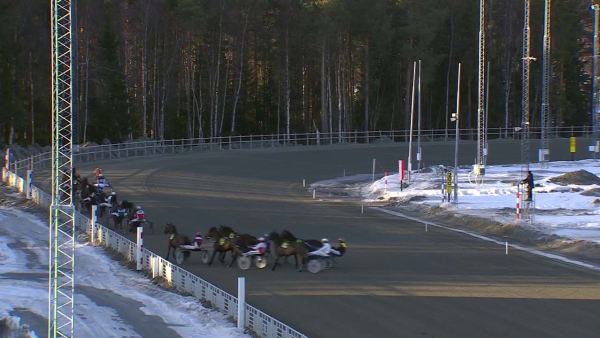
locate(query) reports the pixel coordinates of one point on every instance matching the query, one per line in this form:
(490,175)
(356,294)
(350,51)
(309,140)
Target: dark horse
(223,243)
(227,240)
(175,240)
(286,245)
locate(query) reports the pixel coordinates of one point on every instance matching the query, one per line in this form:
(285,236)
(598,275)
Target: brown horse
(175,240)
(285,248)
(222,243)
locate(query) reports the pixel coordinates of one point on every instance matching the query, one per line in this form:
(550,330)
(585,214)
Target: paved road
(395,281)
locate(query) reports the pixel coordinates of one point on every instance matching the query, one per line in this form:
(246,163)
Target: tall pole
(525,94)
(487,115)
(480,170)
(412,115)
(596,78)
(457,136)
(61,265)
(545,111)
(419,153)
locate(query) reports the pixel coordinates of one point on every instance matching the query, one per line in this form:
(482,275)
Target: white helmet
(138,207)
(261,239)
(113,193)
(324,240)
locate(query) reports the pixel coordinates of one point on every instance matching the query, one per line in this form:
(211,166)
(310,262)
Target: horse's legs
(302,261)
(212,257)
(222,256)
(168,250)
(232,258)
(296,260)
(275,264)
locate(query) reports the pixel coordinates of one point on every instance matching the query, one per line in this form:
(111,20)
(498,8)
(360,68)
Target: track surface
(396,280)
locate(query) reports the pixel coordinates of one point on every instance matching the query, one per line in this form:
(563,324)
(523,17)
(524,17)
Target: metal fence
(180,279)
(84,154)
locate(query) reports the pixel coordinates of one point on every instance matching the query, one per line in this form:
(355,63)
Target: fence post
(28,184)
(94,220)
(155,266)
(241,302)
(139,247)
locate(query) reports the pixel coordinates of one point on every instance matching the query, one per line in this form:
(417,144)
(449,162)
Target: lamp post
(595,78)
(455,118)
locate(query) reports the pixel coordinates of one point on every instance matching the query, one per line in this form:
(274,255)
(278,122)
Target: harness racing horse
(222,244)
(175,240)
(290,246)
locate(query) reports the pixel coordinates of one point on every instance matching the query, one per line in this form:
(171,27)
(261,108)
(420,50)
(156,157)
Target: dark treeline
(207,68)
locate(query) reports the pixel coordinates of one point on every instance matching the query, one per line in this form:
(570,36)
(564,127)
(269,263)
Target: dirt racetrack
(396,279)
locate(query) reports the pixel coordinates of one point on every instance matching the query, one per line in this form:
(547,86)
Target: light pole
(595,78)
(419,153)
(455,118)
(412,115)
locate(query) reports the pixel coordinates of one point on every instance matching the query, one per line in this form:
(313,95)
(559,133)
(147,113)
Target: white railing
(182,280)
(155,147)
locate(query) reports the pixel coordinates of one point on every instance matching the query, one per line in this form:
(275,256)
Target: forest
(165,69)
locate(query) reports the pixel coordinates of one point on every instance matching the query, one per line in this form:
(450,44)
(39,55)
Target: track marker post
(241,302)
(506,248)
(28,184)
(138,249)
(362,208)
(94,221)
(373,178)
(426,230)
(518,203)
(314,194)
(401,173)
(385,174)
(303,183)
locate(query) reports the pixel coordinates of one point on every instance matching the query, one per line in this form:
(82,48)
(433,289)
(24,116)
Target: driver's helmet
(261,239)
(114,193)
(324,240)
(198,234)
(138,207)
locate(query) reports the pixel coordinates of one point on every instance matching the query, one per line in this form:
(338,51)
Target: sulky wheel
(179,257)
(244,262)
(315,265)
(260,262)
(205,256)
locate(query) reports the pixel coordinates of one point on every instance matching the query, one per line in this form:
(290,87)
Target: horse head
(288,236)
(274,236)
(213,232)
(226,231)
(170,229)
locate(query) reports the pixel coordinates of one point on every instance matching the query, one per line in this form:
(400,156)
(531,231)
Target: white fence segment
(255,320)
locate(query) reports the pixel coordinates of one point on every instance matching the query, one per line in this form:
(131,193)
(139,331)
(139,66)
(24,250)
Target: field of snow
(111,301)
(558,209)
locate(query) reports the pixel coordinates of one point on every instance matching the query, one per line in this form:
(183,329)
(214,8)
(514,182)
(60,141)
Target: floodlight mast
(545,120)
(61,267)
(525,78)
(596,79)
(480,169)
